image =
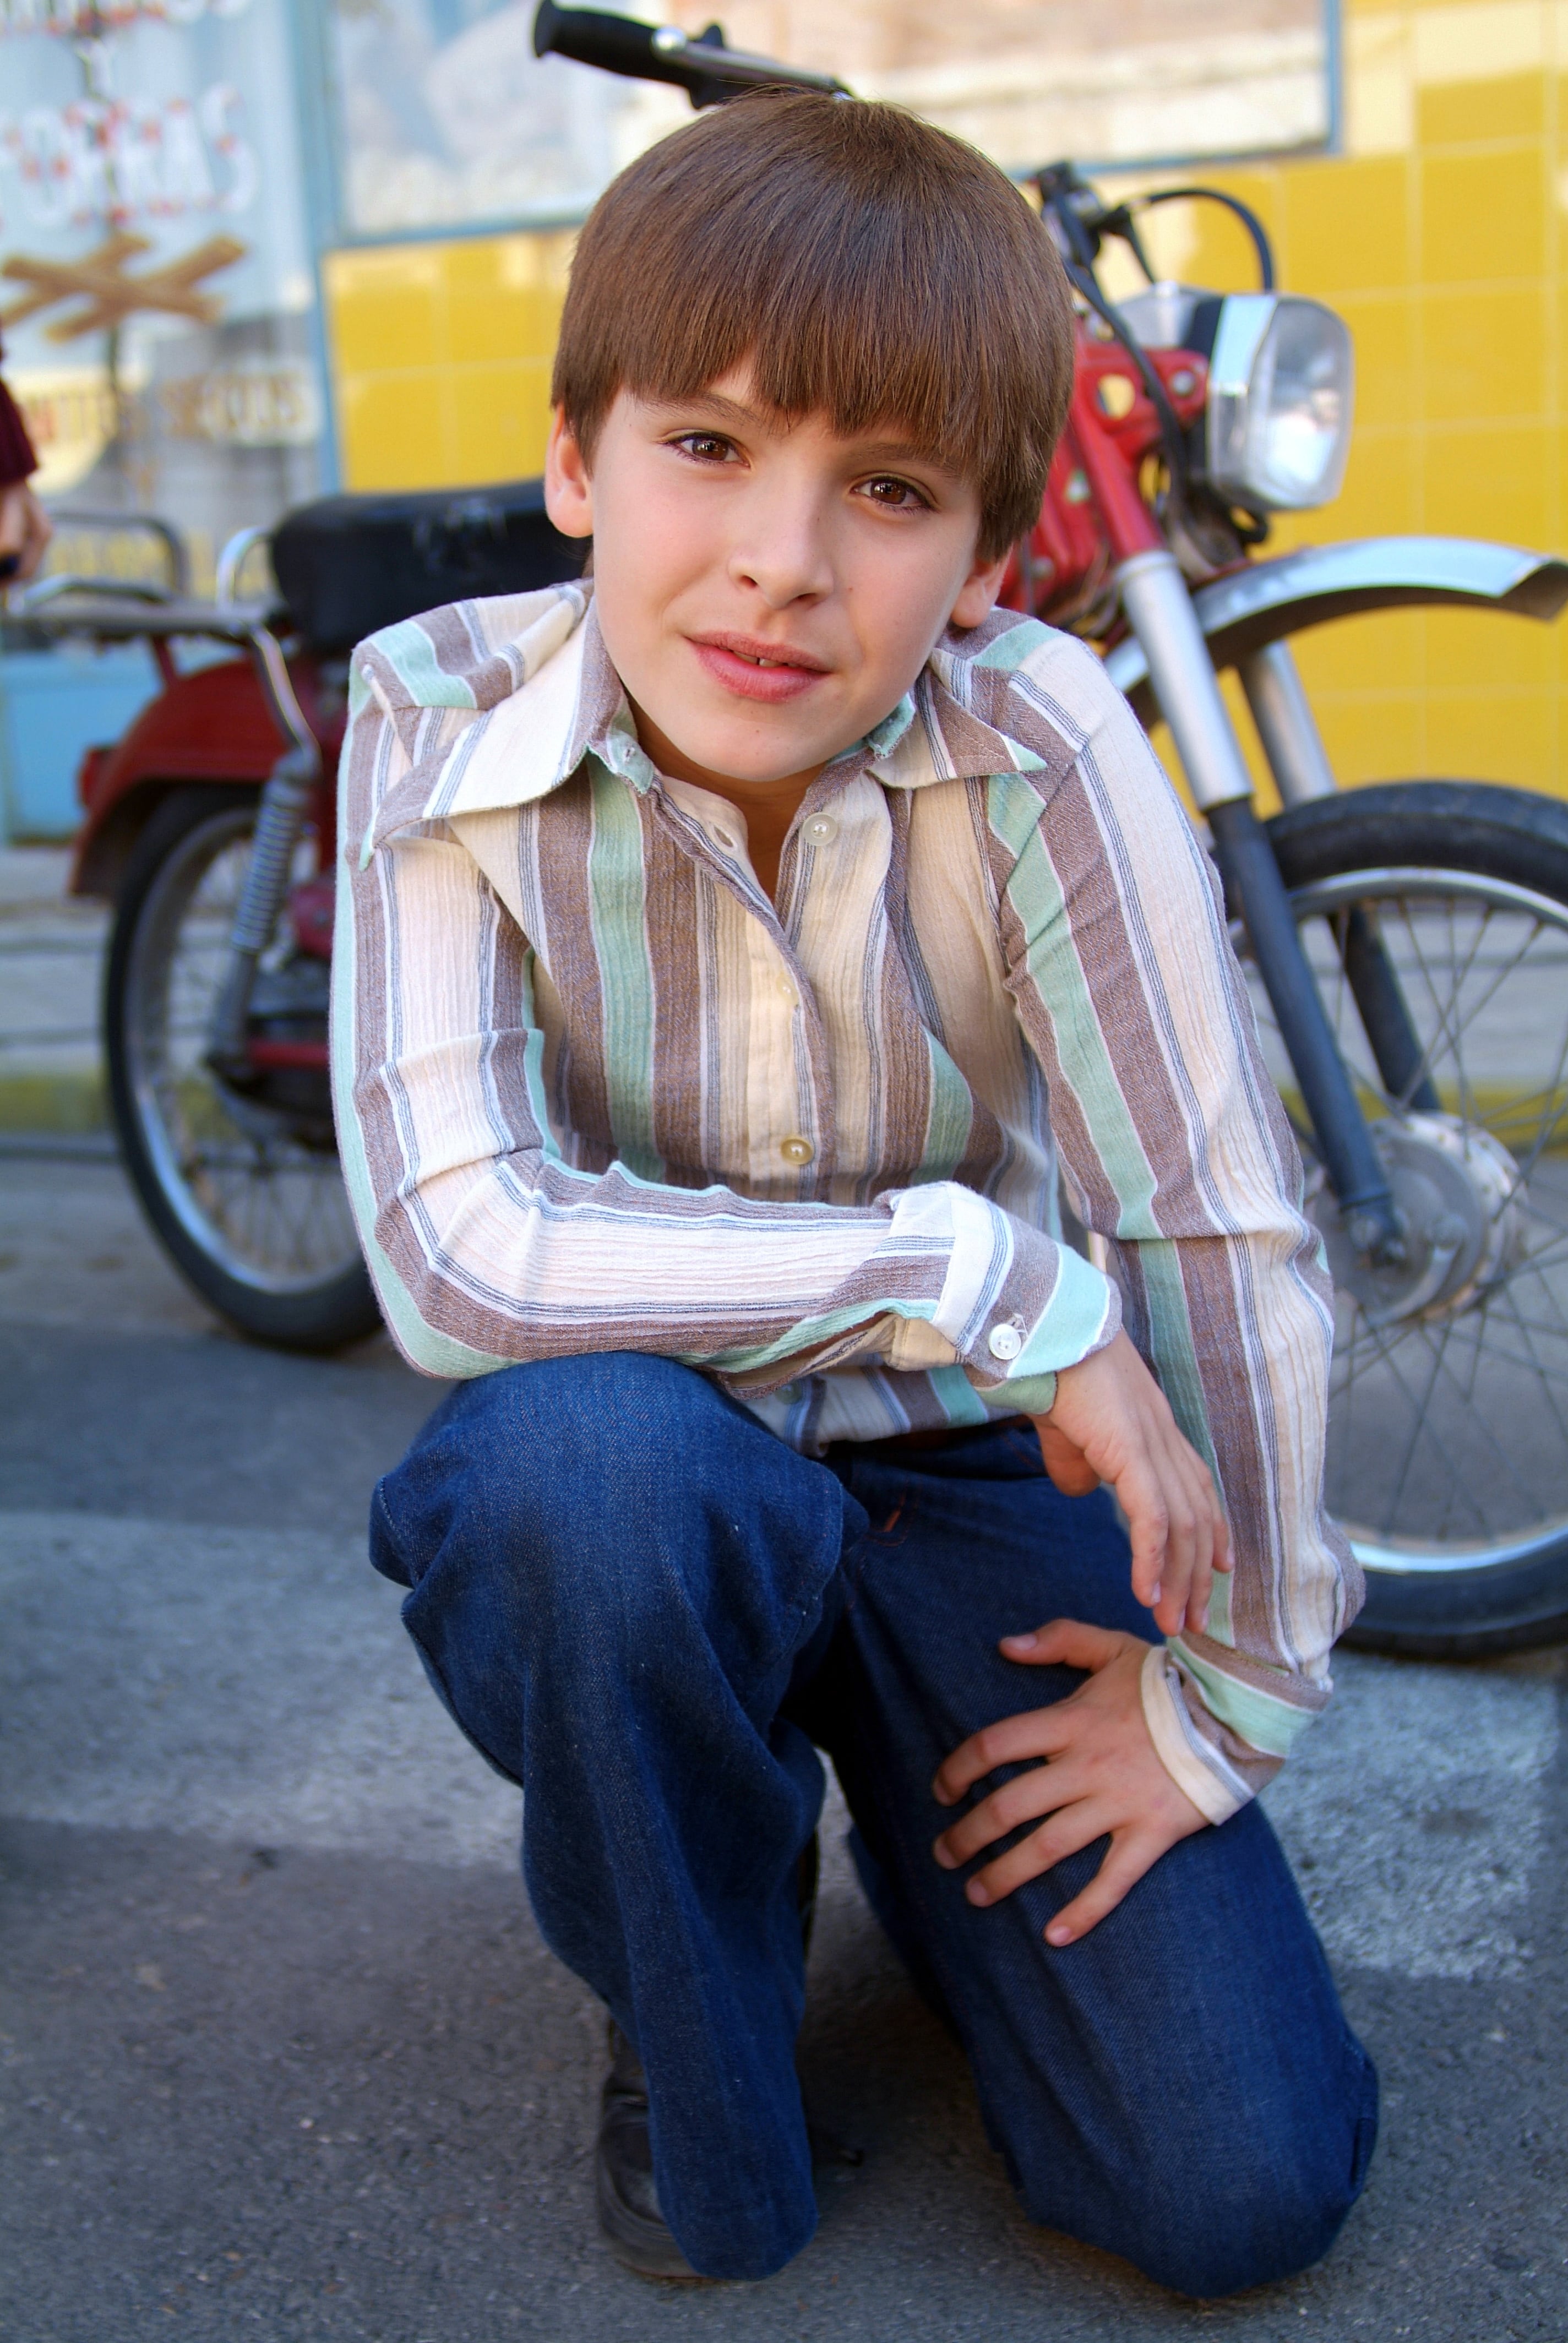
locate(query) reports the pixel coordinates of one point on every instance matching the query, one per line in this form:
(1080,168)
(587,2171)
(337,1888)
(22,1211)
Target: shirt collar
(570,703)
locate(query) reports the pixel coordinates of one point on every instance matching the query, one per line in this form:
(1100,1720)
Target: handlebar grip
(617,45)
(704,68)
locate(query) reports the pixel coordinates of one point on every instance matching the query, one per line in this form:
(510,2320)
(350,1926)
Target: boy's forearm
(1229,1703)
(1173,1134)
(1241,1693)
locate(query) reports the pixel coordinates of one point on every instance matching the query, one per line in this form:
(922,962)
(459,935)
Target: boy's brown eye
(705,445)
(900,494)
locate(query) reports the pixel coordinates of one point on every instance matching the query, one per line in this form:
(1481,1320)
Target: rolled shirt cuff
(1165,1713)
(1026,1395)
(1042,1308)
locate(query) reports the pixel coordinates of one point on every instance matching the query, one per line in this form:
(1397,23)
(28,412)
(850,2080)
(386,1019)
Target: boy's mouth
(755,670)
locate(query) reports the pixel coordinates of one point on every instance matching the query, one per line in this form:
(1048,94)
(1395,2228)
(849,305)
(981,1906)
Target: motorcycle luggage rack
(128,609)
(108,523)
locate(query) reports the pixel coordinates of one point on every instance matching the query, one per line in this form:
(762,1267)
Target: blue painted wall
(53,705)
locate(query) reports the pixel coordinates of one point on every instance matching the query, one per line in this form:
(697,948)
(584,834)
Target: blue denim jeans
(639,1604)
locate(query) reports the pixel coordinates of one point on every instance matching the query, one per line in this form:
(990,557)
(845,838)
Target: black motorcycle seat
(348,564)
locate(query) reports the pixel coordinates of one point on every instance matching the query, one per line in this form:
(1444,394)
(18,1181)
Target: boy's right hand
(1111,1421)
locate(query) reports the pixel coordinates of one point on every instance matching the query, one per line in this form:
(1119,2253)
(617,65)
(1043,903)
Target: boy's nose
(785,558)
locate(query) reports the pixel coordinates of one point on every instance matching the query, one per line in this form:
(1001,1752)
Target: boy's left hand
(1103,1778)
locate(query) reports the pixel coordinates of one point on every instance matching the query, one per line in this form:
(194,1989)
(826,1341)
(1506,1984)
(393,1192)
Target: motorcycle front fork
(1294,748)
(1159,611)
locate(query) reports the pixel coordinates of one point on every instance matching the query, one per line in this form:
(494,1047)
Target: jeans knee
(524,1466)
(1272,2206)
(1254,2233)
(1219,2199)
(606,1514)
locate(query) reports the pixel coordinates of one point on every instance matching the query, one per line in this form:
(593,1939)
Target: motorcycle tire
(253,1213)
(1448,1428)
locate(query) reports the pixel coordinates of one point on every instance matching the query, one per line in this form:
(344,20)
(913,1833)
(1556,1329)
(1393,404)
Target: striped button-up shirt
(595,1090)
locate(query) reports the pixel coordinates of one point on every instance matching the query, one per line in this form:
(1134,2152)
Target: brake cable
(1083,231)
(1084,225)
(1243,212)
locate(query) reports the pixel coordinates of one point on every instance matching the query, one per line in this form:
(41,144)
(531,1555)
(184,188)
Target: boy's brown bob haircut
(870,268)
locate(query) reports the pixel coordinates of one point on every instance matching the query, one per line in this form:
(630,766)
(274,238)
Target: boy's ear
(977,596)
(569,490)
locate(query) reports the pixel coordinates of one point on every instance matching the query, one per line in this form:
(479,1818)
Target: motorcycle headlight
(1281,388)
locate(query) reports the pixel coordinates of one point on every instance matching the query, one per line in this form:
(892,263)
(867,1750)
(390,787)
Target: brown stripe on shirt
(674,952)
(565,832)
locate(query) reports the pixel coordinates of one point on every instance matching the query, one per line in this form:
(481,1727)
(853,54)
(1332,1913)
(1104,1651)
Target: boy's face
(768,590)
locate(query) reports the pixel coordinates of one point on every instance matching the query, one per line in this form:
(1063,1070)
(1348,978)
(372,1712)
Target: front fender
(1260,605)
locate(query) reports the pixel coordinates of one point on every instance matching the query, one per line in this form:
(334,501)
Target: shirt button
(1006,1342)
(821,830)
(796,1151)
(787,990)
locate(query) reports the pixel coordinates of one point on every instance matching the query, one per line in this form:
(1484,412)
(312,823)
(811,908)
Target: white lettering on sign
(123,160)
(90,19)
(69,413)
(257,403)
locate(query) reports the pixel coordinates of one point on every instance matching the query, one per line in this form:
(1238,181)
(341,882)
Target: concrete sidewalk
(281,2052)
(51,961)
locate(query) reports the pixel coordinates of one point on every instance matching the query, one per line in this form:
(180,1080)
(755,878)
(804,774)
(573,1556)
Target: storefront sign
(445,117)
(155,263)
(256,403)
(1098,81)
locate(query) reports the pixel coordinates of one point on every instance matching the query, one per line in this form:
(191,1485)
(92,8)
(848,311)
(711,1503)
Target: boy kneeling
(724,951)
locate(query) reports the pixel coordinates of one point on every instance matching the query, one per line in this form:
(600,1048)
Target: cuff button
(1005,1343)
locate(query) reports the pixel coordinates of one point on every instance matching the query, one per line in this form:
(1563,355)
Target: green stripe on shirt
(616,898)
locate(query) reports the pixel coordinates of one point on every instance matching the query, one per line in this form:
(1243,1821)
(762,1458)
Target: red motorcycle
(211,826)
(1407,943)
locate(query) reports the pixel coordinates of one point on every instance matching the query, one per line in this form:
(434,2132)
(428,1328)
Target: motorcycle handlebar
(708,71)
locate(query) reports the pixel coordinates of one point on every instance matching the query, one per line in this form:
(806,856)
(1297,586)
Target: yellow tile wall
(1439,234)
(441,358)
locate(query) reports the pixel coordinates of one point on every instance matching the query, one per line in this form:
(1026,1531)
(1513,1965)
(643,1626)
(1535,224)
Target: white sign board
(446,118)
(154,264)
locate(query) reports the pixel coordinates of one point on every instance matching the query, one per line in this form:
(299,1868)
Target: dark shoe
(629,2220)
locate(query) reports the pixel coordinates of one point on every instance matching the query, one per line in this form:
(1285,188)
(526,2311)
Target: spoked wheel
(1448,1426)
(243,1189)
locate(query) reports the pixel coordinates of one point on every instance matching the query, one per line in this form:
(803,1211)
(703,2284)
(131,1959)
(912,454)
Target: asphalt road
(282,2053)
